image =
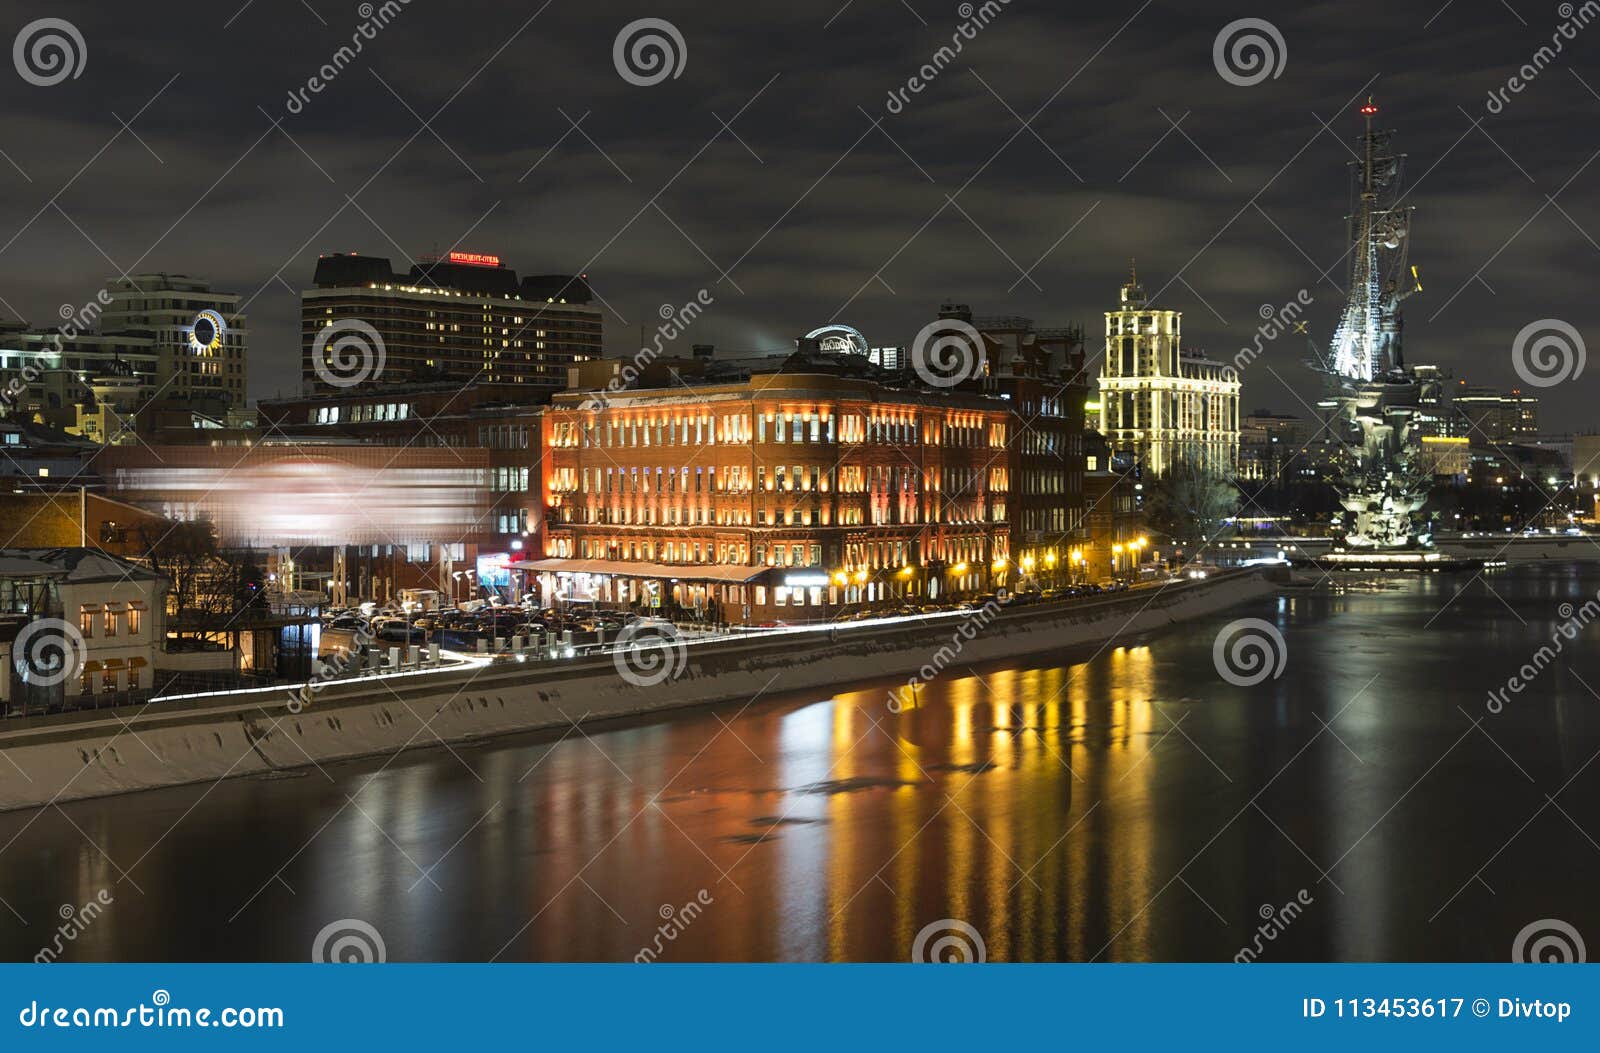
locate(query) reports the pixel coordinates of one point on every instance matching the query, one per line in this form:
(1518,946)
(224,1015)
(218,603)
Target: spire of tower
(1132,291)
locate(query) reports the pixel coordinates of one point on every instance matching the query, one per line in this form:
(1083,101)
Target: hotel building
(781,497)
(463,316)
(1158,402)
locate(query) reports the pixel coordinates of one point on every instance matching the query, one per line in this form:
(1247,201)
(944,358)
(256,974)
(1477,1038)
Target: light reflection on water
(1128,805)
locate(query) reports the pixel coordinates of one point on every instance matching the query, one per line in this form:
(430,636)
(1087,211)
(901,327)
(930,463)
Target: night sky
(805,212)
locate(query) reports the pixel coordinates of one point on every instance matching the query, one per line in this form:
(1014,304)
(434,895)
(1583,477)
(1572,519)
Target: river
(1121,804)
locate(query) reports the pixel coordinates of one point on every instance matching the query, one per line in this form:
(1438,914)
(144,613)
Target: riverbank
(207,737)
(1494,548)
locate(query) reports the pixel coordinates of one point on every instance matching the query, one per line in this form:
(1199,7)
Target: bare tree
(1189,502)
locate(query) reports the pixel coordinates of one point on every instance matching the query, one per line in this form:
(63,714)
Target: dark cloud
(1244,204)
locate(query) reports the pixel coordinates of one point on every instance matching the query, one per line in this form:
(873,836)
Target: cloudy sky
(775,172)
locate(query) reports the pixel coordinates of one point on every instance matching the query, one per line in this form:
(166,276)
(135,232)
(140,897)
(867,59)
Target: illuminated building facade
(779,498)
(1040,373)
(117,609)
(1158,402)
(200,338)
(49,376)
(1117,536)
(1447,454)
(1272,446)
(463,316)
(1586,476)
(147,339)
(1493,416)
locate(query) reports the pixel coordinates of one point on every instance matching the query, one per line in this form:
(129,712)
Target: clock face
(206,332)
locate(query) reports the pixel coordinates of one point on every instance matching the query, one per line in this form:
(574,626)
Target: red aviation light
(1369,110)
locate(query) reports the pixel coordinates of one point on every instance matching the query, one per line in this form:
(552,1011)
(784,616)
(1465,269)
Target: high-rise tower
(1159,402)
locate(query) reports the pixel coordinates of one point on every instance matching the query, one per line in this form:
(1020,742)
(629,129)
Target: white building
(1158,402)
(76,622)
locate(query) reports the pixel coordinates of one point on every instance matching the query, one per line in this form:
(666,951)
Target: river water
(1125,804)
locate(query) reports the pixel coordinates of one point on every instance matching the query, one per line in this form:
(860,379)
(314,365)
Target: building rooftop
(467,272)
(77,566)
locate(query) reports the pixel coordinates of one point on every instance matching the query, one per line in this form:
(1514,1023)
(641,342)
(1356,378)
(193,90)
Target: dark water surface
(1126,806)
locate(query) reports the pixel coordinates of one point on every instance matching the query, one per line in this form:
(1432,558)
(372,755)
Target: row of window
(879,512)
(959,430)
(515,480)
(367,411)
(107,617)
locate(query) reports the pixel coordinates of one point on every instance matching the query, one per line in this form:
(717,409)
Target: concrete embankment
(204,738)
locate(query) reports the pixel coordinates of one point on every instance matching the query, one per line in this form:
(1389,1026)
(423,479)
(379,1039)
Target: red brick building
(781,497)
